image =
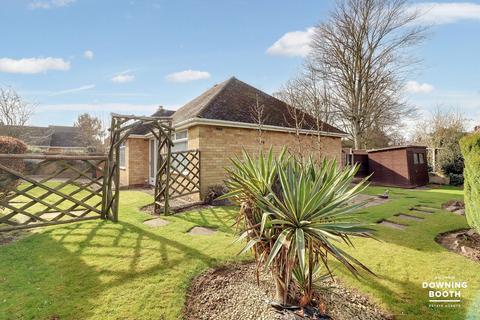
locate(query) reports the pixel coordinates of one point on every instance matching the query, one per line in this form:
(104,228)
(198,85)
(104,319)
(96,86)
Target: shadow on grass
(222,222)
(38,283)
(64,272)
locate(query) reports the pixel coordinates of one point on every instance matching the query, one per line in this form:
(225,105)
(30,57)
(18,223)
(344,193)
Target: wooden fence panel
(72,192)
(184,173)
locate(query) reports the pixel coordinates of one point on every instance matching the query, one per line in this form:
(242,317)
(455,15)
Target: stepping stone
(425,211)
(420,206)
(391,224)
(157,222)
(407,216)
(201,231)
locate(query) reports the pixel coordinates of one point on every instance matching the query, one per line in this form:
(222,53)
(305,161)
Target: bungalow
(220,123)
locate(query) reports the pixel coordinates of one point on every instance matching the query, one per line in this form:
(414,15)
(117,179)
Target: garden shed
(402,166)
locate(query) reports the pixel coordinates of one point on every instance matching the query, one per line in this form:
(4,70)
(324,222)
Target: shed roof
(396,148)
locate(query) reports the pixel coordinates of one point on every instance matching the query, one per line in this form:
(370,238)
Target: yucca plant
(293,215)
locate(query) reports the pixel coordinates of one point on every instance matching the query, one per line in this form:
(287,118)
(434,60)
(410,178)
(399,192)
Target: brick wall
(136,158)
(218,144)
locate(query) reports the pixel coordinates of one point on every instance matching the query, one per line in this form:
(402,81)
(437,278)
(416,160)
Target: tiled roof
(161,112)
(233,100)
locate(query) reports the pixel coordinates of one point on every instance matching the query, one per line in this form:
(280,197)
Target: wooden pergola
(121,127)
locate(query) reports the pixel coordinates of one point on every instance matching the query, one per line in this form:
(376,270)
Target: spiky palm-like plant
(293,214)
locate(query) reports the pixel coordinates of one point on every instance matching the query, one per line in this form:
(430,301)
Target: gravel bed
(231,292)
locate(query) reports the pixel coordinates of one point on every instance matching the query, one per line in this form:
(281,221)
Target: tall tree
(14,112)
(361,52)
(91,133)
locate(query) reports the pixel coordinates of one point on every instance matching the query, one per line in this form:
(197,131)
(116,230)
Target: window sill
(123,168)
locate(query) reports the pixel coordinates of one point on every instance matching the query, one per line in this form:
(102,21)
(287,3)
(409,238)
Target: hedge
(10,145)
(470,146)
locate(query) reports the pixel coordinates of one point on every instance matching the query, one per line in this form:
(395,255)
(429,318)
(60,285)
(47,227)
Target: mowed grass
(105,270)
(404,259)
(126,270)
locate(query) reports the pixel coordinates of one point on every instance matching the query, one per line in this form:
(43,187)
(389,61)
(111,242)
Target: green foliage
(442,131)
(456,179)
(294,214)
(213,192)
(471,151)
(452,164)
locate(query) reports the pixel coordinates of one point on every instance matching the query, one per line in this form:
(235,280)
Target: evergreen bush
(470,146)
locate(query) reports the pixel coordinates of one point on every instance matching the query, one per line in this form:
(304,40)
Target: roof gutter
(243,125)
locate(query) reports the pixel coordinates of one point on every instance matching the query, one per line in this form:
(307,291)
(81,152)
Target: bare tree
(258,114)
(14,111)
(291,93)
(309,97)
(362,55)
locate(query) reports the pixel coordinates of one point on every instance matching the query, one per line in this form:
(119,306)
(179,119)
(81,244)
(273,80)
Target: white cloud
(446,12)
(88,54)
(295,43)
(188,75)
(82,88)
(33,65)
(48,4)
(416,87)
(123,77)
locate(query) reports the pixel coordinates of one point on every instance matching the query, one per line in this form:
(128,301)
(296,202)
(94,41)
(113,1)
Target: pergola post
(119,132)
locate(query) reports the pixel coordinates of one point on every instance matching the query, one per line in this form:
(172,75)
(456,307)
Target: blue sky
(73,56)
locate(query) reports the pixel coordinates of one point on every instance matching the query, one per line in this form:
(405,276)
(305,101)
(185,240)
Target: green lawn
(126,270)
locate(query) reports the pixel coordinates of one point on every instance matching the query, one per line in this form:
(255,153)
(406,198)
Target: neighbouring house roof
(51,136)
(144,129)
(396,148)
(233,100)
(65,137)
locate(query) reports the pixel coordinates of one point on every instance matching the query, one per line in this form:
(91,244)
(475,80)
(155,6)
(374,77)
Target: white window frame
(175,140)
(180,140)
(123,147)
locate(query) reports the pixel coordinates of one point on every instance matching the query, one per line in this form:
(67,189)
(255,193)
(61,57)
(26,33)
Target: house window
(421,158)
(180,141)
(122,163)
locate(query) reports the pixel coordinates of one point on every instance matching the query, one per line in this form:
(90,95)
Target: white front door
(152,147)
